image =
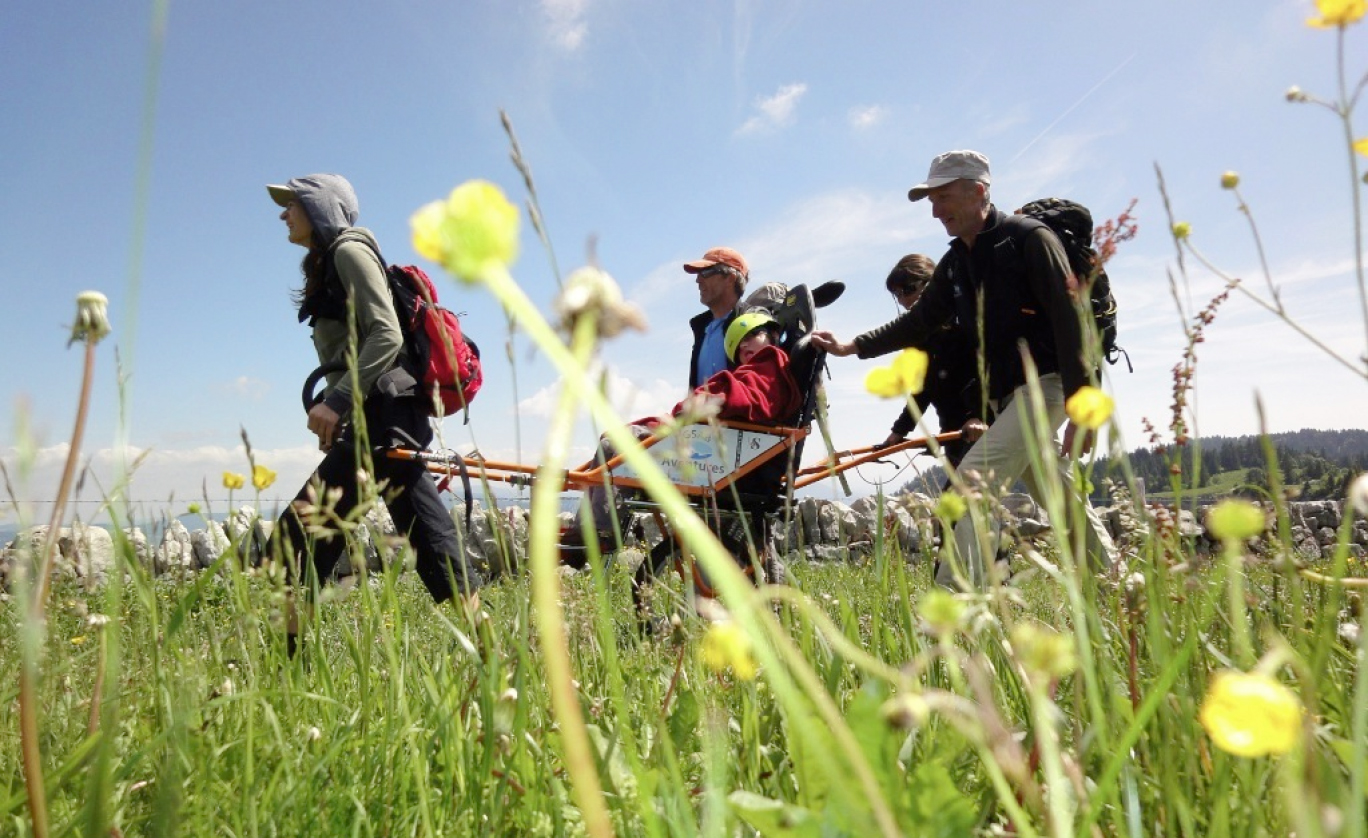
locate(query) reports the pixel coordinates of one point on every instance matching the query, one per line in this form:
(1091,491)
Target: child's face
(751,345)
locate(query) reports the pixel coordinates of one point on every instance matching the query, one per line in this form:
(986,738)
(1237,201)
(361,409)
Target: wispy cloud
(632,398)
(864,117)
(1048,168)
(774,111)
(850,234)
(565,21)
(246,387)
(185,473)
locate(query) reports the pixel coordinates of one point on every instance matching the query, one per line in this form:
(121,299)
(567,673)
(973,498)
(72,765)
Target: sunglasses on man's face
(715,270)
(908,290)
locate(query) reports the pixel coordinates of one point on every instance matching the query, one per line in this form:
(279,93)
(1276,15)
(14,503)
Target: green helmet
(741,328)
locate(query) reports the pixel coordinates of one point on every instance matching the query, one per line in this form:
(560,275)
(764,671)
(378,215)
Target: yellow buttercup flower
(951,506)
(1089,407)
(726,646)
(1043,651)
(474,232)
(1251,714)
(233,480)
(940,610)
(904,377)
(262,477)
(1182,230)
(1337,13)
(1234,520)
(426,224)
(1230,180)
(1361,146)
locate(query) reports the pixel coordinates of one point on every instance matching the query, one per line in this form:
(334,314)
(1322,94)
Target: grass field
(1175,693)
(976,714)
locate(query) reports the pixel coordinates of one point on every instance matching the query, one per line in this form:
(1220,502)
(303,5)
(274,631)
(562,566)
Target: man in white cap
(1007,280)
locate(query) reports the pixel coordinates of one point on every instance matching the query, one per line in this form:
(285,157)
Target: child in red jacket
(760,390)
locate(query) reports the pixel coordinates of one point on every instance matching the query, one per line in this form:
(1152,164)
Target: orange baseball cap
(719,256)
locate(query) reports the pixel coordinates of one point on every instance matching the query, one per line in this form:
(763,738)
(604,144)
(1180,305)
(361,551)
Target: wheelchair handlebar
(308,396)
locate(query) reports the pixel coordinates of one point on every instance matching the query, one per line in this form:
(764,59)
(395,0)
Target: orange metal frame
(579,479)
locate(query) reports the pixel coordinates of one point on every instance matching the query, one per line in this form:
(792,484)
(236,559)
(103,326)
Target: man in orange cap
(721,275)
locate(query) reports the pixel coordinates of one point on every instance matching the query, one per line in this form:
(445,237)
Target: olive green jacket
(379,341)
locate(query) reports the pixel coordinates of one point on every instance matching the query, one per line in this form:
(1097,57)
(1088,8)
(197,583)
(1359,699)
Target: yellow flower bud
(726,646)
(1234,520)
(1251,714)
(951,506)
(427,231)
(1361,146)
(1230,180)
(233,480)
(906,376)
(262,477)
(1042,651)
(1089,407)
(1339,13)
(473,233)
(1182,230)
(940,610)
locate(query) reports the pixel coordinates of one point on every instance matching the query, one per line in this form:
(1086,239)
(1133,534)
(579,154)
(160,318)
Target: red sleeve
(762,391)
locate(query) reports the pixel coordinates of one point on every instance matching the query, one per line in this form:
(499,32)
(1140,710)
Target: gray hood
(329,201)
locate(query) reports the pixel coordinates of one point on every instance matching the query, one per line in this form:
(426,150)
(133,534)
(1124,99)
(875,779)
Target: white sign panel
(698,455)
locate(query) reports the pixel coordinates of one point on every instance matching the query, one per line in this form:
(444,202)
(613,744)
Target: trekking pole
(826,434)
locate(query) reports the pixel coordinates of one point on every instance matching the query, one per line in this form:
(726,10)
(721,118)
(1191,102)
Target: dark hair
(913,269)
(314,269)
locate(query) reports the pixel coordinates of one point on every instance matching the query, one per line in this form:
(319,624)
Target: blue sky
(789,130)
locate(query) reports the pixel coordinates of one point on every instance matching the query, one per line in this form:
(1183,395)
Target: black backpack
(1073,224)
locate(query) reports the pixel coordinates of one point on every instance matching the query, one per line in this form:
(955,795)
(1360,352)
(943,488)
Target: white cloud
(848,234)
(1047,169)
(632,398)
(246,387)
(863,117)
(774,111)
(159,474)
(565,21)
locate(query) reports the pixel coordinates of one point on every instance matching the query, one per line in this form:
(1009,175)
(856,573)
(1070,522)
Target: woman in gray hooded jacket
(344,276)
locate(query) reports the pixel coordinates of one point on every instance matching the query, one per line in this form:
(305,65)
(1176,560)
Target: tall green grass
(1063,702)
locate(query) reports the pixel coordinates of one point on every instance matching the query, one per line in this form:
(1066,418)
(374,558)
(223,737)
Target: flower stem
(546,595)
(735,589)
(1346,113)
(28,674)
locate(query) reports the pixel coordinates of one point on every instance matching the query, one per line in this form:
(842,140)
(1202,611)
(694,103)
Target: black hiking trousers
(392,419)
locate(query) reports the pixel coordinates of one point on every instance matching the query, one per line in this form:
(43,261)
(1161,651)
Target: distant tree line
(1316,465)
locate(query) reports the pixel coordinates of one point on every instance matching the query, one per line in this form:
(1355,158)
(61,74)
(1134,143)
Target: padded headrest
(794,313)
(805,362)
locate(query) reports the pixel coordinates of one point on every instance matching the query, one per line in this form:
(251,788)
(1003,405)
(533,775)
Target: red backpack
(445,361)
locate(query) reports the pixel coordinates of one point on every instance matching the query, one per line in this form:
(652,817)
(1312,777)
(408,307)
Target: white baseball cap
(950,167)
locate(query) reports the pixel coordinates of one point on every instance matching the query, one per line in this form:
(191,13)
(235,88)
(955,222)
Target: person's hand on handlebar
(323,422)
(826,341)
(973,429)
(893,439)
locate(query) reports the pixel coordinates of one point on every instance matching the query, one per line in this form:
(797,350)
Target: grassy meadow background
(1202,687)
